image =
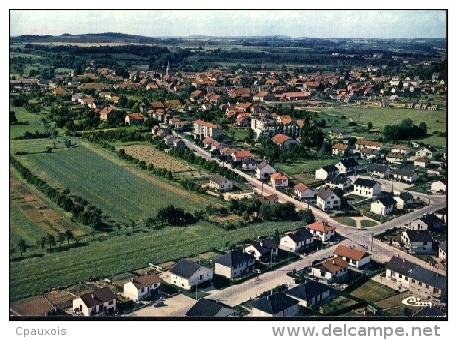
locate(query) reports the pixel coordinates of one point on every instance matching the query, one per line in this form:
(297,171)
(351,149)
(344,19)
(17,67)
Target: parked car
(159,303)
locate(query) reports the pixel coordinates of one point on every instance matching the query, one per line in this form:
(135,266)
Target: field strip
(169,187)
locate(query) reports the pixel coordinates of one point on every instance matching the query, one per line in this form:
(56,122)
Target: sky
(370,23)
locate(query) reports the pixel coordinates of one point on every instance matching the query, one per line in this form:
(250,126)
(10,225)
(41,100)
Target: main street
(380,251)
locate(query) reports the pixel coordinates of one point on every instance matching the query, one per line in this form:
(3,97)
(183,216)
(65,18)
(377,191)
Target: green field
(372,291)
(106,256)
(307,166)
(346,221)
(32,120)
(368,223)
(115,190)
(21,227)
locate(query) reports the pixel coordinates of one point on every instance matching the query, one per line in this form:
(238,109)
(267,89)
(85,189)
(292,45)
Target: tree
(22,245)
(42,242)
(69,235)
(61,238)
(369,126)
(277,236)
(51,241)
(308,216)
(13,118)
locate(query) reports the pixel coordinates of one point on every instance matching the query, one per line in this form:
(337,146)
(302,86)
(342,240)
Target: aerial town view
(214,172)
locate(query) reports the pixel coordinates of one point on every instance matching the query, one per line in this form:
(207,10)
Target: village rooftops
(234,258)
(185,268)
(98,297)
(367,183)
(274,303)
(332,265)
(320,226)
(146,280)
(350,252)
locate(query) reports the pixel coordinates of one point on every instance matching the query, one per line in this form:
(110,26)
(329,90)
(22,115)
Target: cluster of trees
(279,212)
(122,135)
(79,207)
(404,131)
(175,216)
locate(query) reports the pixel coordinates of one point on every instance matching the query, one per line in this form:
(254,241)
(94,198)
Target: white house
(321,230)
(264,170)
(378,170)
(141,287)
(354,257)
(383,205)
(326,171)
(99,301)
(234,263)
(278,180)
(295,241)
(187,274)
(399,270)
(265,250)
(269,200)
(428,152)
(404,175)
(340,182)
(417,241)
(442,251)
(204,129)
(310,293)
(347,166)
(303,191)
(333,269)
(402,149)
(283,141)
(275,305)
(220,183)
(327,199)
(366,187)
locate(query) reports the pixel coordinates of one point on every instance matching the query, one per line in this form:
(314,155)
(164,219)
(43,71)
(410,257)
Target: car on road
(159,303)
(362,228)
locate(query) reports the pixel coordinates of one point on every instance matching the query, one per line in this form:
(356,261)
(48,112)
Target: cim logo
(413,301)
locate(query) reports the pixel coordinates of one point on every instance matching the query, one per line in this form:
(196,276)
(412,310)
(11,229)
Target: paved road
(381,252)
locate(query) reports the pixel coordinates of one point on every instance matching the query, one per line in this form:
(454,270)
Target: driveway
(175,306)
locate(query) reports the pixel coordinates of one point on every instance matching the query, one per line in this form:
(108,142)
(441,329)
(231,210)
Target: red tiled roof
(300,187)
(352,253)
(320,226)
(278,175)
(280,138)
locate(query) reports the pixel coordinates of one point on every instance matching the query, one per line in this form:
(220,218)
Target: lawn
(21,227)
(346,221)
(307,166)
(368,223)
(29,122)
(393,306)
(372,291)
(336,304)
(111,254)
(117,191)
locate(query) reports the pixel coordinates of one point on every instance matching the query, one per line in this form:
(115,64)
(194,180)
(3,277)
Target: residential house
(265,250)
(275,305)
(207,142)
(134,119)
(442,214)
(333,269)
(106,112)
(179,143)
(339,134)
(401,149)
(340,181)
(263,97)
(367,144)
(378,170)
(303,191)
(264,170)
(168,140)
(347,166)
(442,251)
(399,271)
(99,301)
(427,283)
(369,153)
(438,186)
(383,205)
(233,264)
(354,257)
(238,156)
(283,141)
(278,180)
(366,187)
(139,288)
(248,164)
(204,308)
(408,176)
(428,152)
(422,162)
(321,230)
(311,293)
(296,241)
(326,171)
(269,200)
(204,129)
(340,149)
(417,241)
(187,274)
(426,222)
(397,158)
(220,183)
(404,200)
(327,199)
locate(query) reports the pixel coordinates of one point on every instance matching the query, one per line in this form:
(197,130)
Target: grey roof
(401,266)
(349,162)
(262,165)
(386,201)
(248,161)
(430,220)
(330,168)
(307,290)
(419,235)
(369,183)
(185,268)
(269,243)
(300,235)
(377,167)
(338,179)
(429,277)
(234,258)
(218,179)
(443,246)
(206,307)
(430,311)
(403,172)
(324,193)
(274,303)
(442,211)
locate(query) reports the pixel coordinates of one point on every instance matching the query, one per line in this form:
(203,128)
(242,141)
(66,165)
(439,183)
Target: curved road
(381,252)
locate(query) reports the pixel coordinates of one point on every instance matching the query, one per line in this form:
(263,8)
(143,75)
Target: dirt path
(358,221)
